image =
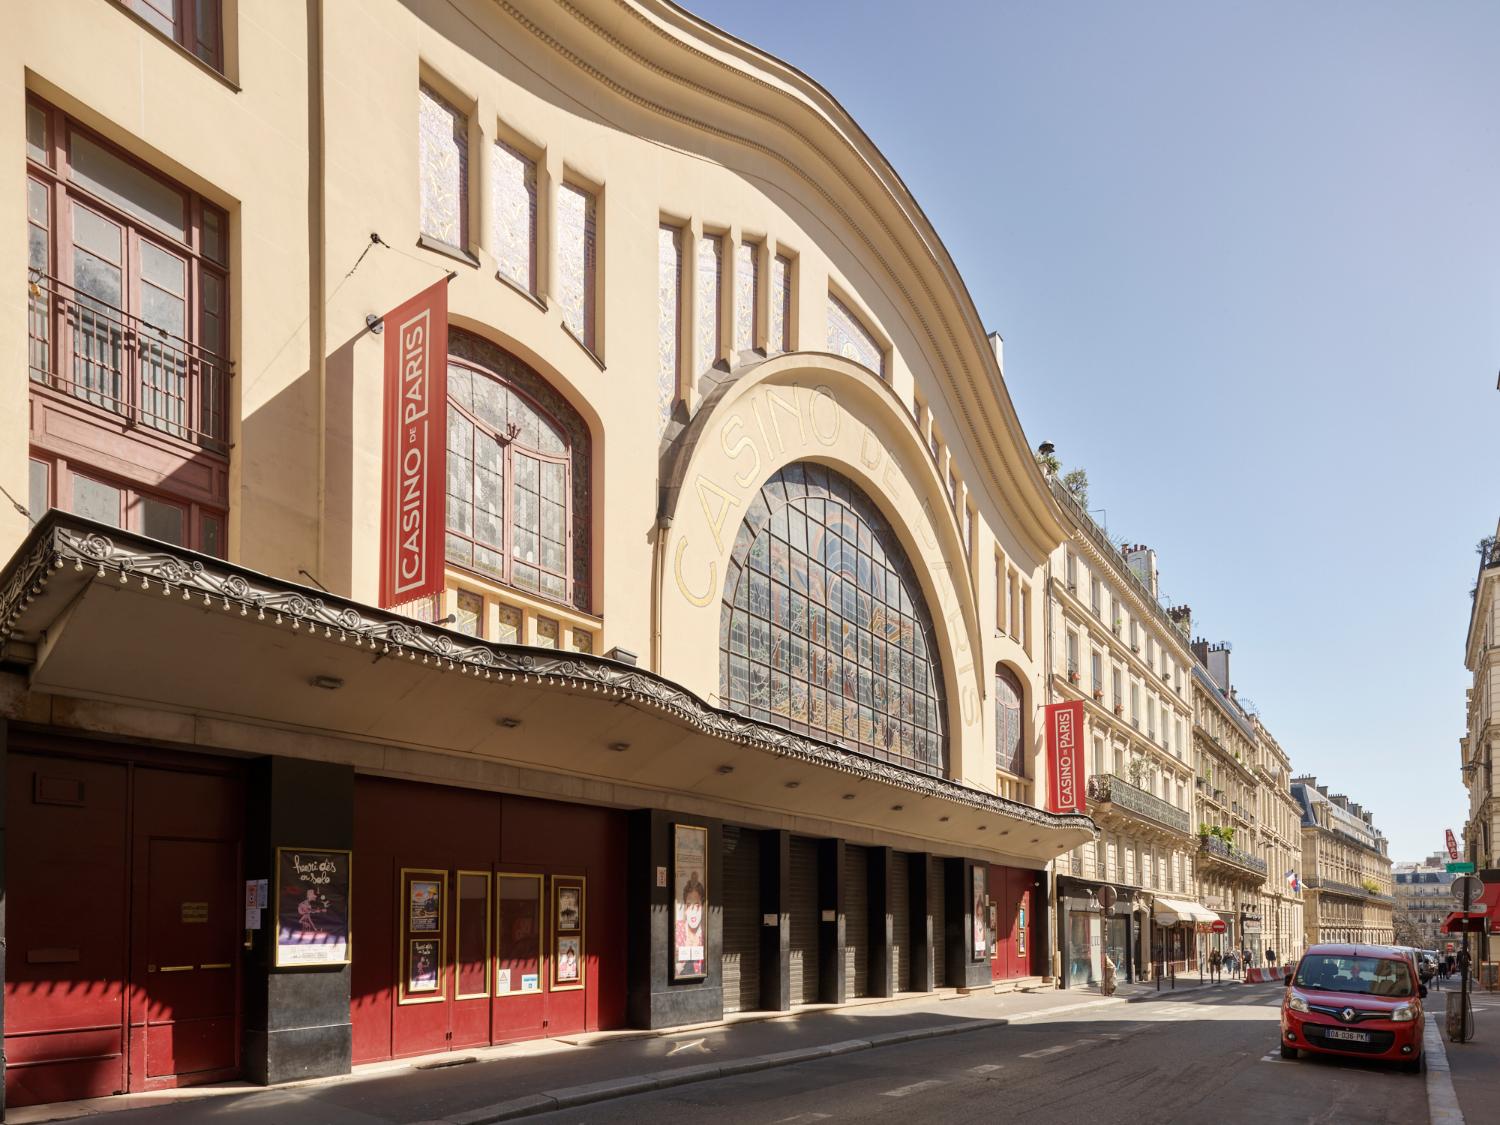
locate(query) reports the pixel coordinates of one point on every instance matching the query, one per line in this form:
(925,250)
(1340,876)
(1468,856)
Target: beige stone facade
(1423,901)
(1477,756)
(1347,869)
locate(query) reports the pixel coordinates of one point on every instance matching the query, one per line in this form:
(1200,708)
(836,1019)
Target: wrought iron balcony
(1115,790)
(95,353)
(1348,890)
(1214,848)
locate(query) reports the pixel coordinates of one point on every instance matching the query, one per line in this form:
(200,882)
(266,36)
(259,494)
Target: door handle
(216,965)
(172,969)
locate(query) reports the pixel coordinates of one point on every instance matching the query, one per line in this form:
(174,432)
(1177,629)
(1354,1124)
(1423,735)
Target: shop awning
(1483,915)
(1171,911)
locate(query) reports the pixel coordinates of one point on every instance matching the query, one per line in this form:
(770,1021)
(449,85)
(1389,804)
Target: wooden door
(192,933)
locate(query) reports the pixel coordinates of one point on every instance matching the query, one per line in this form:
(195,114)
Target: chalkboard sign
(312,906)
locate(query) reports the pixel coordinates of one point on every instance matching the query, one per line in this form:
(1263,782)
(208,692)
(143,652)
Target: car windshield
(1373,976)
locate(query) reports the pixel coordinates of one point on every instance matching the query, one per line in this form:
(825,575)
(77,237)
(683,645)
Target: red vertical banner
(1065,757)
(415,451)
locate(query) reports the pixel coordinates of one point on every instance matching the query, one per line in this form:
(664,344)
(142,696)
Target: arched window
(518,463)
(824,630)
(1008,731)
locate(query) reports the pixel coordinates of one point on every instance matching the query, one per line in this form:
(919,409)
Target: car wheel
(1416,1065)
(1288,1052)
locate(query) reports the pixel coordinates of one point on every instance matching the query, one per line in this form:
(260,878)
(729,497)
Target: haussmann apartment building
(750,724)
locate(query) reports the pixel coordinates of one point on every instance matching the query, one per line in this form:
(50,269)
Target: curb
(571,1097)
(1442,1101)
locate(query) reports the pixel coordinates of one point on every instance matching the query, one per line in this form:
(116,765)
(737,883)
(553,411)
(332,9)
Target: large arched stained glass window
(1008,740)
(824,630)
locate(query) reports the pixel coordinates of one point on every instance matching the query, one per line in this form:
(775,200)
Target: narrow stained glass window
(781,304)
(576,234)
(1008,740)
(710,290)
(824,629)
(513,185)
(746,294)
(443,159)
(668,317)
(848,337)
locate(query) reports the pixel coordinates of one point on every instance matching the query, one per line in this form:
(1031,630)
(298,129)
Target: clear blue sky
(1246,261)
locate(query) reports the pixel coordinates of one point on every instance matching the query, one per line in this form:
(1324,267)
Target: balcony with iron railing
(1214,848)
(1115,790)
(92,352)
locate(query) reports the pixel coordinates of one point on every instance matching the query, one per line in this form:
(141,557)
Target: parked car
(1355,1000)
(1426,964)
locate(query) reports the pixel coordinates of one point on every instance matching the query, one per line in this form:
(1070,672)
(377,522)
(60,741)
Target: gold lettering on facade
(821,393)
(870,458)
(789,406)
(707,489)
(732,449)
(713,577)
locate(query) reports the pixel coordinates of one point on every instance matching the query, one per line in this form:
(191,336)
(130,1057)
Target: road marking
(688,1046)
(984,1068)
(1045,1051)
(802,1117)
(902,1091)
(1442,1102)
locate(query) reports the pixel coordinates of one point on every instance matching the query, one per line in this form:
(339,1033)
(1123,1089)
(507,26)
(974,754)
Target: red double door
(482,918)
(1013,891)
(123,927)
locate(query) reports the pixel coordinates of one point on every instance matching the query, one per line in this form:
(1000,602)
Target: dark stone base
(296,1053)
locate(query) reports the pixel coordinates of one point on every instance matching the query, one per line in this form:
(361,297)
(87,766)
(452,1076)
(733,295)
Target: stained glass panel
(746,294)
(575,261)
(710,284)
(443,166)
(513,186)
(668,317)
(848,337)
(1008,740)
(781,304)
(842,654)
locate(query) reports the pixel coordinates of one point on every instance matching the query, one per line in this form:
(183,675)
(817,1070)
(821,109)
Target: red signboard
(1218,925)
(416,419)
(1065,756)
(1452,846)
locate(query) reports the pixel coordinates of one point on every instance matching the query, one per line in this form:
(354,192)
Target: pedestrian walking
(1215,963)
(1271,958)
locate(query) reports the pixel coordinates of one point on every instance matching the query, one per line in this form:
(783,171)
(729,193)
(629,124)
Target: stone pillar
(296,1020)
(775,940)
(882,945)
(653,999)
(831,932)
(924,927)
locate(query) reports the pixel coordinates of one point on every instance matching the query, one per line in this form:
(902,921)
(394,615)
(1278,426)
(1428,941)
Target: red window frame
(202,273)
(509,447)
(59,494)
(187,26)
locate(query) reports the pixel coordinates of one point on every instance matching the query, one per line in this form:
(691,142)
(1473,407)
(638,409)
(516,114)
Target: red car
(1355,1000)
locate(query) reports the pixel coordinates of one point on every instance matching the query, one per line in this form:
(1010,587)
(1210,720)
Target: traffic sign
(1460,868)
(1218,925)
(1467,886)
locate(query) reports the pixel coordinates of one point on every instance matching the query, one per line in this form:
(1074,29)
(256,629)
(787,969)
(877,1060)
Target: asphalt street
(1191,1058)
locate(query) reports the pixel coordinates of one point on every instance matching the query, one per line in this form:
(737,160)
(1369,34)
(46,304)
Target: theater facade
(524,533)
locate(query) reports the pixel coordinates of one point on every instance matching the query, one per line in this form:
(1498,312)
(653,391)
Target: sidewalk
(502,1083)
(1475,1065)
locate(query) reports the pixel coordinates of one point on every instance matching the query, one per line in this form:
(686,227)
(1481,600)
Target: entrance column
(924,927)
(830,930)
(296,1019)
(882,945)
(654,1000)
(775,939)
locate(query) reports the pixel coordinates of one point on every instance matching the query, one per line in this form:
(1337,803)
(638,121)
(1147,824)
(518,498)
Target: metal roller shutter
(901,918)
(936,897)
(856,922)
(741,919)
(802,905)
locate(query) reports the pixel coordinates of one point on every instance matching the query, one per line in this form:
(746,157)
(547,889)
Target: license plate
(1351,1036)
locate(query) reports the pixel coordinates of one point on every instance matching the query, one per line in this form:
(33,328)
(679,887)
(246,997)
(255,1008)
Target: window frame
(185,25)
(59,489)
(508,446)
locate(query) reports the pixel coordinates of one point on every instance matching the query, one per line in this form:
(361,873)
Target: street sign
(1452,845)
(1218,925)
(1467,886)
(1459,868)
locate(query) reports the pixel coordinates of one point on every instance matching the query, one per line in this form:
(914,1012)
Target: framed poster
(569,960)
(689,902)
(312,906)
(569,909)
(424,905)
(981,936)
(422,965)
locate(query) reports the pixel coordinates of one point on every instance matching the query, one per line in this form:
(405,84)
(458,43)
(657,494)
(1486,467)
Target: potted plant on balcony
(1073,675)
(1119,710)
(1098,694)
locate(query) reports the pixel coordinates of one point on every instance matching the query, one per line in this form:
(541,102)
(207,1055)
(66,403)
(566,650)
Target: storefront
(1252,935)
(1015,905)
(1087,934)
(1175,933)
